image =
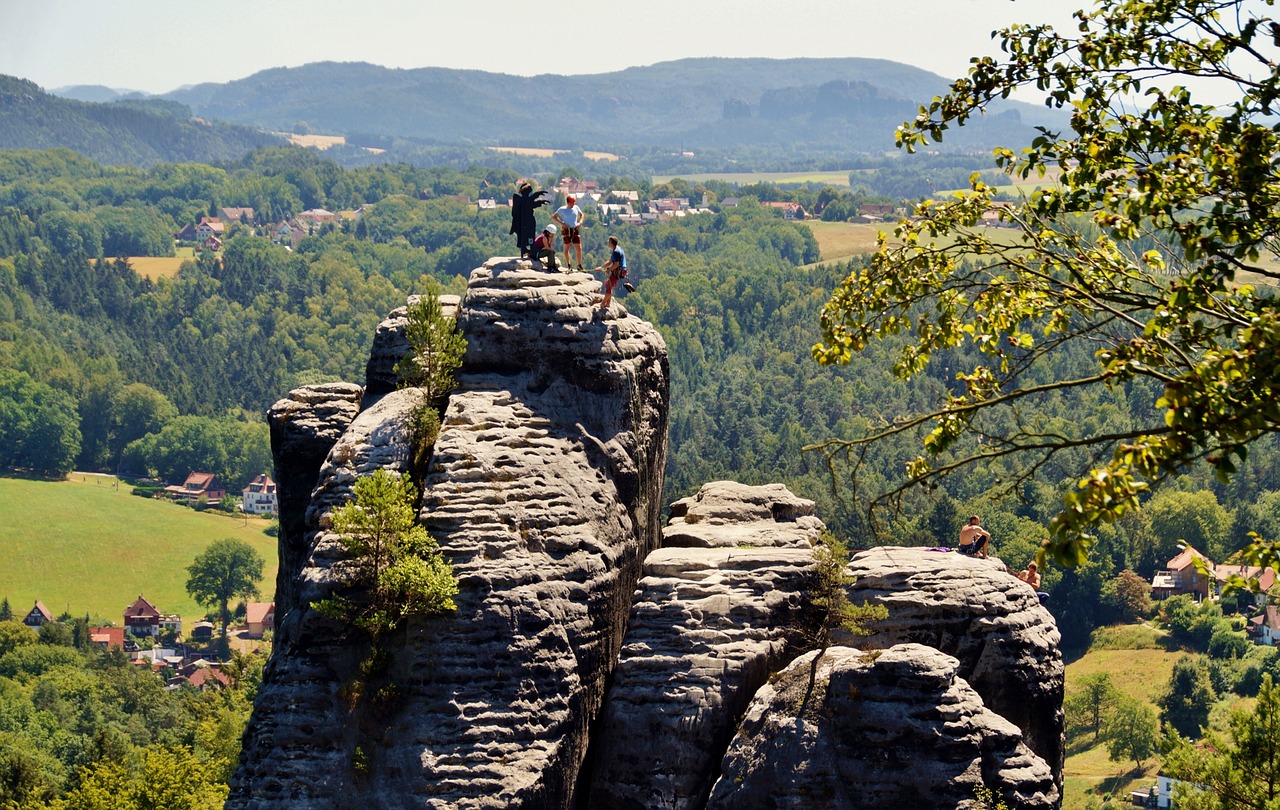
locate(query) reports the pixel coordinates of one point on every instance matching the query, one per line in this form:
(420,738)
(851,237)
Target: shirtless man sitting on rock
(973,539)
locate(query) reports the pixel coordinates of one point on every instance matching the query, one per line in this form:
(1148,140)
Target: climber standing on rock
(973,539)
(616,268)
(569,216)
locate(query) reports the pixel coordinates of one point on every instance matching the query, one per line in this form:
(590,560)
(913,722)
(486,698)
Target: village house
(790,210)
(576,187)
(187,234)
(1266,578)
(1182,576)
(288,232)
(259,617)
(202,631)
(213,244)
(1265,627)
(486,204)
(209,226)
(141,618)
(259,498)
(242,215)
(107,637)
(198,485)
(37,616)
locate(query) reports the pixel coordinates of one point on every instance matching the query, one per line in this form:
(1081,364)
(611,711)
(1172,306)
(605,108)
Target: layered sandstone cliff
(597,659)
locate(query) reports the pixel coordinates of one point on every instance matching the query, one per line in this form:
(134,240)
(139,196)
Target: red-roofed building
(141,618)
(1266,626)
(38,615)
(205,677)
(260,617)
(790,210)
(1266,578)
(198,484)
(1181,575)
(259,498)
(107,637)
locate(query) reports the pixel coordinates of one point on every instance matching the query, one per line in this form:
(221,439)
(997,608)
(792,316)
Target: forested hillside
(136,132)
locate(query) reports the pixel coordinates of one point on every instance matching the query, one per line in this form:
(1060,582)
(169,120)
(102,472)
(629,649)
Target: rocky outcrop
(992,623)
(726,514)
(708,625)
(304,427)
(884,729)
(544,493)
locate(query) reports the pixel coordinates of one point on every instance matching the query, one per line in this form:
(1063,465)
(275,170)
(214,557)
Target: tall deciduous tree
(1184,707)
(1131,732)
(1090,703)
(1163,204)
(228,569)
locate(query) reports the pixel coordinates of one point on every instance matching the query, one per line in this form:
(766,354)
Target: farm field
(531,151)
(836,178)
(839,241)
(158,267)
(84,545)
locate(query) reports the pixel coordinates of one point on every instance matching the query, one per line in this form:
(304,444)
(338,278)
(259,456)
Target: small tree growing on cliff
(436,348)
(395,560)
(829,597)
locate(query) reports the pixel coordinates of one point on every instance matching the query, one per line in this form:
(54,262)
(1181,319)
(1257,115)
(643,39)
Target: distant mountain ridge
(850,103)
(133,131)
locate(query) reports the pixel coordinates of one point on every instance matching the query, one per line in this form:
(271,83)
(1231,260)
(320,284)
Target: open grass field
(157,267)
(843,240)
(837,178)
(85,546)
(321,142)
(1139,665)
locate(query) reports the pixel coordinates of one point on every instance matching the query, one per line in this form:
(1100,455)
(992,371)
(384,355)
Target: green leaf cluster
(1164,206)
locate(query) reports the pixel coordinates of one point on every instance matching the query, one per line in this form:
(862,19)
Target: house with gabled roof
(210,226)
(233,214)
(38,616)
(1266,577)
(141,618)
(107,637)
(259,497)
(187,234)
(1182,575)
(197,485)
(260,617)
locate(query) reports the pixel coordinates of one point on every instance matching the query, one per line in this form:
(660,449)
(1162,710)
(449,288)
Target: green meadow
(86,545)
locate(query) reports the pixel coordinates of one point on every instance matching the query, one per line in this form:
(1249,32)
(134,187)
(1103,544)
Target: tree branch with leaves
(1141,252)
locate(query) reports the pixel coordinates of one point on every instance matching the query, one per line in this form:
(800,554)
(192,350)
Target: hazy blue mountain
(849,103)
(96,93)
(140,131)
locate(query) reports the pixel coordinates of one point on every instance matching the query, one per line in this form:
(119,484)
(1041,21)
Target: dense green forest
(81,727)
(101,369)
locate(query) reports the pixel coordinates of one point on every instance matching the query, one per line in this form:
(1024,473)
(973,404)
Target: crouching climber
(544,247)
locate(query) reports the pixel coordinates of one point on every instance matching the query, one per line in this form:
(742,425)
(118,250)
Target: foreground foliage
(1140,254)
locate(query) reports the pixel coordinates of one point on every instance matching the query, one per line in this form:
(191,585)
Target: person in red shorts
(616,268)
(569,217)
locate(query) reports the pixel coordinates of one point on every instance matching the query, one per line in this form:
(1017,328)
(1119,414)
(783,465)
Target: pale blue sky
(160,45)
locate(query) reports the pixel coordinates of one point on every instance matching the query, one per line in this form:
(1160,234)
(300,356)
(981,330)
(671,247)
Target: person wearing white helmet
(544,247)
(569,216)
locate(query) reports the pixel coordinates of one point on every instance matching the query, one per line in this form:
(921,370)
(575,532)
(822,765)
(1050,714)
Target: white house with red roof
(259,497)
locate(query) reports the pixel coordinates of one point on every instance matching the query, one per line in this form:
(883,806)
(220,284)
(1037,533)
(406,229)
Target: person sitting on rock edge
(544,247)
(973,539)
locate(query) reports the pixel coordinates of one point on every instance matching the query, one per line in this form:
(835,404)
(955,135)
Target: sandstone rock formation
(886,729)
(544,493)
(991,622)
(708,625)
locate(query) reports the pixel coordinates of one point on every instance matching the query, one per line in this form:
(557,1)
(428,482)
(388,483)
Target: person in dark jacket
(523,223)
